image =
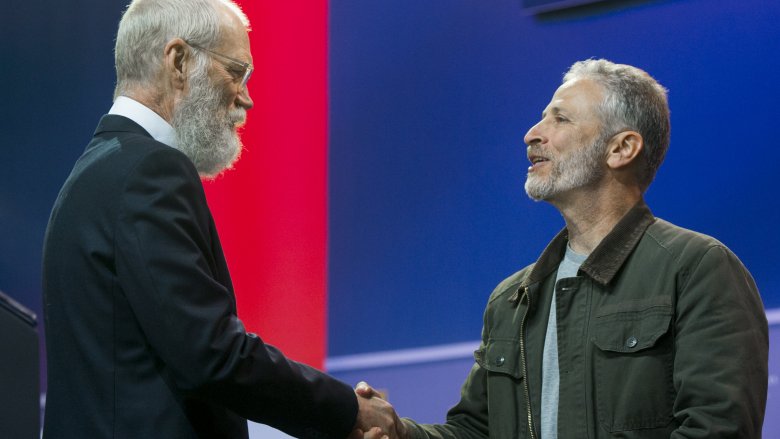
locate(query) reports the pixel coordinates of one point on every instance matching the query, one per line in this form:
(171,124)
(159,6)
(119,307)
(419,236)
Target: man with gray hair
(627,325)
(142,336)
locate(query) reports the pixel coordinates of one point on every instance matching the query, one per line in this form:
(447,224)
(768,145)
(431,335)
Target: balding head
(148,25)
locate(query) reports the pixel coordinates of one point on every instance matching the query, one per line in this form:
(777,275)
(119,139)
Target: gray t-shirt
(550,373)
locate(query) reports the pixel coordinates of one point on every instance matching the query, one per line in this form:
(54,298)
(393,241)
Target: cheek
(226,88)
(567,141)
(559,145)
(228,95)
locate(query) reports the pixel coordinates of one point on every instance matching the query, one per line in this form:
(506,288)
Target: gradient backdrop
(379,199)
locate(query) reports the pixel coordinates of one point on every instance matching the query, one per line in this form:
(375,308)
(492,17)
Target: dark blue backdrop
(429,104)
(56,80)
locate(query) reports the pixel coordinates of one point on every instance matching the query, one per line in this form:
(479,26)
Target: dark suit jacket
(142,336)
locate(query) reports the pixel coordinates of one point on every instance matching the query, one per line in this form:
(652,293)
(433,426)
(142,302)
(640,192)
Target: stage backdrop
(381,189)
(271,210)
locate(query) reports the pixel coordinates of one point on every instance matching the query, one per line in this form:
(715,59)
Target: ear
(177,58)
(624,148)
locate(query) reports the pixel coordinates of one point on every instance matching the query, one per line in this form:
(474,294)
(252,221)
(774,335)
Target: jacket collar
(607,258)
(117,123)
(150,121)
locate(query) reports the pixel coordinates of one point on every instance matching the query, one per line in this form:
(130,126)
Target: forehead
(234,40)
(580,95)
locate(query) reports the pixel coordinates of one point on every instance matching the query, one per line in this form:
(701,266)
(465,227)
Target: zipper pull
(518,297)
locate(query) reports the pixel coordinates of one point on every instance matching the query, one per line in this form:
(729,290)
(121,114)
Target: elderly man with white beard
(627,326)
(142,336)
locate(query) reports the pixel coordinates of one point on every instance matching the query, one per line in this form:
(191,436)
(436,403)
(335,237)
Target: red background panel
(271,209)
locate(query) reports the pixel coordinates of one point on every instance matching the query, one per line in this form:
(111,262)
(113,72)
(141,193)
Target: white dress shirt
(139,113)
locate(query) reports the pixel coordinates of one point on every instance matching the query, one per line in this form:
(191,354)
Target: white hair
(148,25)
(633,101)
(205,126)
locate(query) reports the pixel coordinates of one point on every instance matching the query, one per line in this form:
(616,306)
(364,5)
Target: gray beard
(579,169)
(205,128)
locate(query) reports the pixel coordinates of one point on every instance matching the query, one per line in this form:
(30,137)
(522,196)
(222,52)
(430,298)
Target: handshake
(376,418)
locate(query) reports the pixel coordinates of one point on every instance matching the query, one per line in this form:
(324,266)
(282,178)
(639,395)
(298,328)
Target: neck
(590,215)
(152,100)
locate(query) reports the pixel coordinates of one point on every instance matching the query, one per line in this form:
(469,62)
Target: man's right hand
(376,417)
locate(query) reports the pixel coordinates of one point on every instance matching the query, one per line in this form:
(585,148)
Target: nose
(534,135)
(243,99)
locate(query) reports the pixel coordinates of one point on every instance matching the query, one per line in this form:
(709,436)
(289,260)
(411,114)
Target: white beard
(580,168)
(205,128)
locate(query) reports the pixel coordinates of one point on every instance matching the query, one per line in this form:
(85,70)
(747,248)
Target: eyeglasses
(245,69)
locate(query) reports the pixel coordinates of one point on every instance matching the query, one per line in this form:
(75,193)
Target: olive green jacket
(661,335)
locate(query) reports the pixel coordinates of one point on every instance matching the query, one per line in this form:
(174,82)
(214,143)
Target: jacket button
(499,361)
(631,342)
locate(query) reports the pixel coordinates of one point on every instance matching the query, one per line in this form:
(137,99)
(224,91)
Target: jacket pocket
(500,356)
(633,365)
(499,360)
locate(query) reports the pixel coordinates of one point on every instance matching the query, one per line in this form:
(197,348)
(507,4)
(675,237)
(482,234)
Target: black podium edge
(18,310)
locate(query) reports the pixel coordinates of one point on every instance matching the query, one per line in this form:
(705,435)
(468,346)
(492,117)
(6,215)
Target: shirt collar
(150,121)
(607,258)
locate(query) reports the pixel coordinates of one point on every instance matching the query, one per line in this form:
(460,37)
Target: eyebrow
(554,110)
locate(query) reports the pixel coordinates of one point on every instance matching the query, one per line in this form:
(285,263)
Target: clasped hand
(376,418)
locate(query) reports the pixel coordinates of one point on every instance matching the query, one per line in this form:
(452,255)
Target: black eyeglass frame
(248,68)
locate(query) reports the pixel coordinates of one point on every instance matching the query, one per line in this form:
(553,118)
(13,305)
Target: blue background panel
(429,104)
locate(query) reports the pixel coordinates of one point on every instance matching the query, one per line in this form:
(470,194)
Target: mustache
(538,152)
(237,117)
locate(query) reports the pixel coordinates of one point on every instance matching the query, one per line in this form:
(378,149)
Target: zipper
(526,389)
